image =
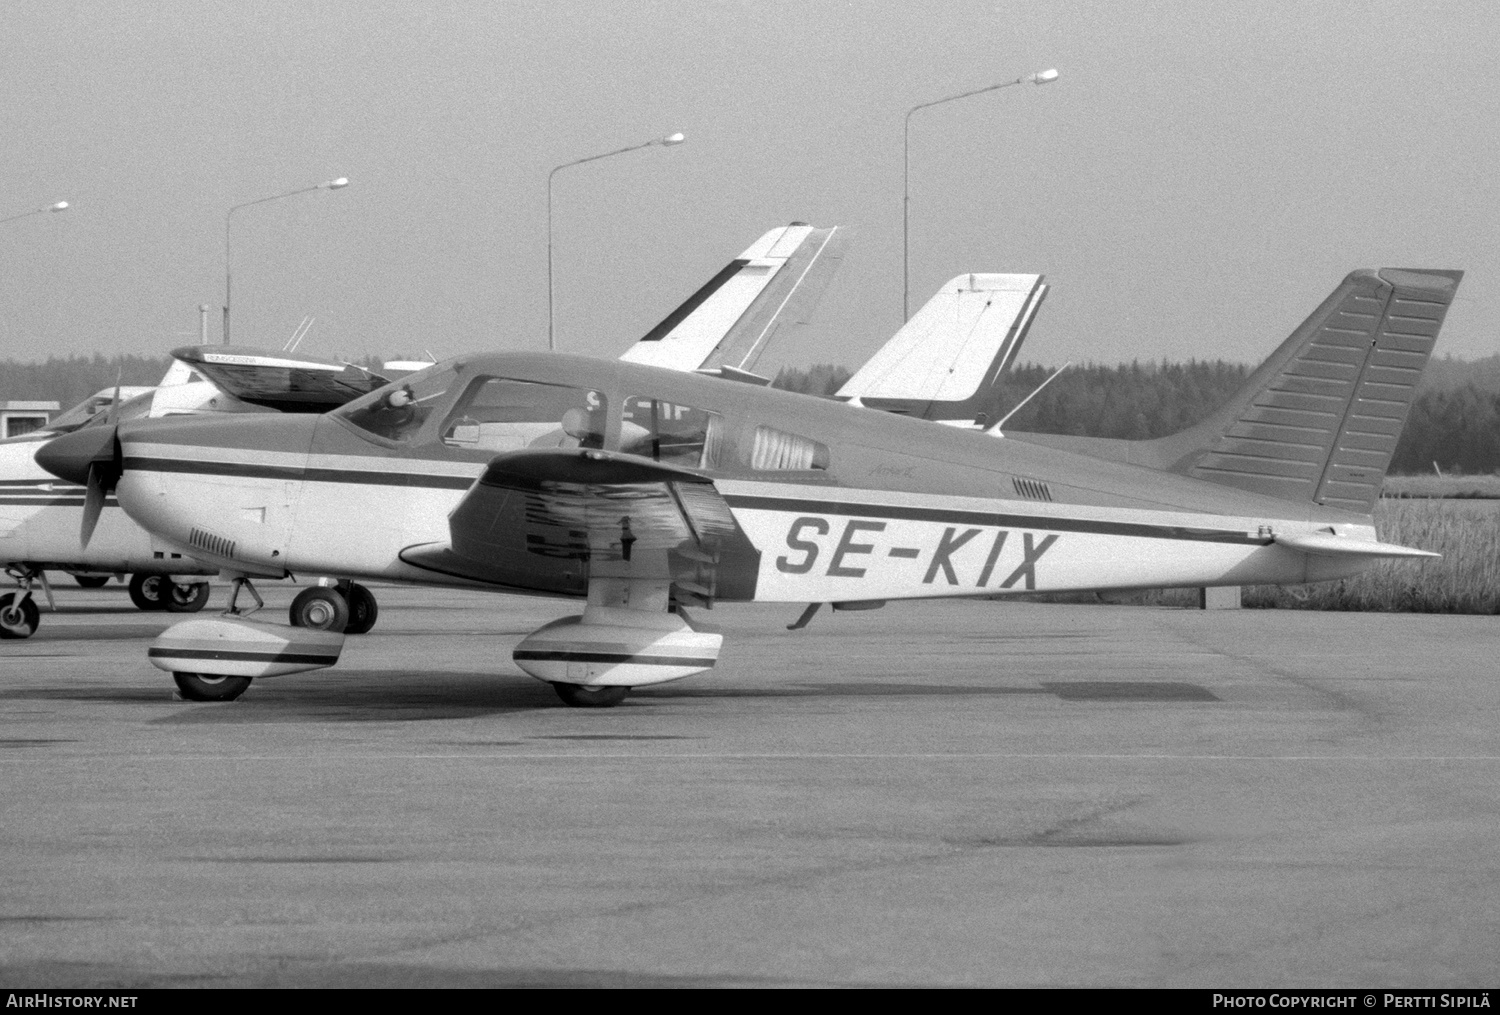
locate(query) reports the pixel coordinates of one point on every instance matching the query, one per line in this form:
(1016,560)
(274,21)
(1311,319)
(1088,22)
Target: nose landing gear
(19,616)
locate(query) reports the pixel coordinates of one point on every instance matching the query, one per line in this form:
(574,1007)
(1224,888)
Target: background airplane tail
(726,325)
(1319,420)
(943,362)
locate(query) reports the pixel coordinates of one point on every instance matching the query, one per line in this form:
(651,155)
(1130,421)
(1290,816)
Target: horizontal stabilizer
(729,321)
(1326,544)
(943,360)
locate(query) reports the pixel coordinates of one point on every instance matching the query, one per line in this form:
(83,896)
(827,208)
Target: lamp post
(338,184)
(59,206)
(1039,78)
(665,142)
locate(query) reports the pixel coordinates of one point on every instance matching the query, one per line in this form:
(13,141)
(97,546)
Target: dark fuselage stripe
(225,655)
(562,656)
(951,516)
(248,470)
(74,501)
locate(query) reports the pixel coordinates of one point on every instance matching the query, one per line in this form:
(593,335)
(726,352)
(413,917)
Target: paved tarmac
(931,794)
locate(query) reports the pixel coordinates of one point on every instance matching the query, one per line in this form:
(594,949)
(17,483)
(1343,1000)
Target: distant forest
(1455,422)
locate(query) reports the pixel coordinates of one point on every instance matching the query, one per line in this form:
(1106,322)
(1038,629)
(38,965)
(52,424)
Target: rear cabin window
(675,434)
(778,451)
(500,414)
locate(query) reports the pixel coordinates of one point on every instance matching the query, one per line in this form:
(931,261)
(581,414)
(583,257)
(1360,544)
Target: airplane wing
(286,382)
(726,325)
(942,362)
(532,509)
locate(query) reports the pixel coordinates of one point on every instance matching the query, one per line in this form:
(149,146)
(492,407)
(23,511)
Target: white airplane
(651,491)
(40,517)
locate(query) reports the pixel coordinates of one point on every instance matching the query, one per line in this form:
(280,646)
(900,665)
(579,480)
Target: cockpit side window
(397,411)
(503,414)
(667,432)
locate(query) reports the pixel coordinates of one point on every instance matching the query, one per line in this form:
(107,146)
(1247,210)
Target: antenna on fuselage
(995,427)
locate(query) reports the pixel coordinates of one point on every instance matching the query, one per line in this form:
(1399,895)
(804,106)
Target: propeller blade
(93,503)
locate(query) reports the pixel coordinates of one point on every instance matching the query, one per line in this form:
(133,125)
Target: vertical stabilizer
(728,323)
(943,362)
(1320,419)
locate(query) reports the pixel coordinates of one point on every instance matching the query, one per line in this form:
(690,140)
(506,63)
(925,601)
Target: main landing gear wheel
(590,697)
(362,609)
(18,617)
(148,591)
(321,609)
(91,581)
(188,598)
(210,687)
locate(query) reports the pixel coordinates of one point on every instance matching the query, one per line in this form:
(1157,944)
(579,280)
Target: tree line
(1454,422)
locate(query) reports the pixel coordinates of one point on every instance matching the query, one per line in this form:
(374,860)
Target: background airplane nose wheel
(209,687)
(18,619)
(187,598)
(147,591)
(590,697)
(321,609)
(362,610)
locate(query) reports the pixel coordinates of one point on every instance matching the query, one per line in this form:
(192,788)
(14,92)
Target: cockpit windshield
(95,412)
(397,411)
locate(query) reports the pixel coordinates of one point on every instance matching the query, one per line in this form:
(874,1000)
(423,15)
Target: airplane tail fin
(943,362)
(727,324)
(1319,420)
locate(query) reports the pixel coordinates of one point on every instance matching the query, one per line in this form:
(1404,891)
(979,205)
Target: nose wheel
(321,609)
(359,607)
(579,696)
(210,687)
(19,616)
(147,591)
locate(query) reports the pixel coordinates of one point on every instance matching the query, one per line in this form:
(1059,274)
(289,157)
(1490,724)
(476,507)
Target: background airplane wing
(942,361)
(536,517)
(727,324)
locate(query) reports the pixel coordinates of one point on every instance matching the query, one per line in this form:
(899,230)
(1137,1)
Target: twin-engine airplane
(645,491)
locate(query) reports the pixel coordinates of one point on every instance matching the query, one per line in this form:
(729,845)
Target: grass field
(1462,487)
(1466,580)
(1465,530)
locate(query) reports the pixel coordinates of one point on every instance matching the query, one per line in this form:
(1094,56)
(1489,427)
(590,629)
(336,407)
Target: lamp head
(673,139)
(343,181)
(59,206)
(1044,77)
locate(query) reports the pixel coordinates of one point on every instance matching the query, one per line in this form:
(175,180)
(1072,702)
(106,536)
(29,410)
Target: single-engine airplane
(645,492)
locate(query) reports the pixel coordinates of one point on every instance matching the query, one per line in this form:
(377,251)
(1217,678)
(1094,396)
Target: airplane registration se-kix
(646,492)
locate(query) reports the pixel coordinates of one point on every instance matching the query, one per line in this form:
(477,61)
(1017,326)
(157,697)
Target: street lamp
(666,142)
(59,206)
(1039,78)
(339,184)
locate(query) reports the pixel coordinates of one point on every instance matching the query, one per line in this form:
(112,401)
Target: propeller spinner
(91,458)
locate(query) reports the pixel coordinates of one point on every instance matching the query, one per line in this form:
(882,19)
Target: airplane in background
(943,361)
(40,518)
(646,492)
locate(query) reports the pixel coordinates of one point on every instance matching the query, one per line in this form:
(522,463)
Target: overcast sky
(1198,178)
